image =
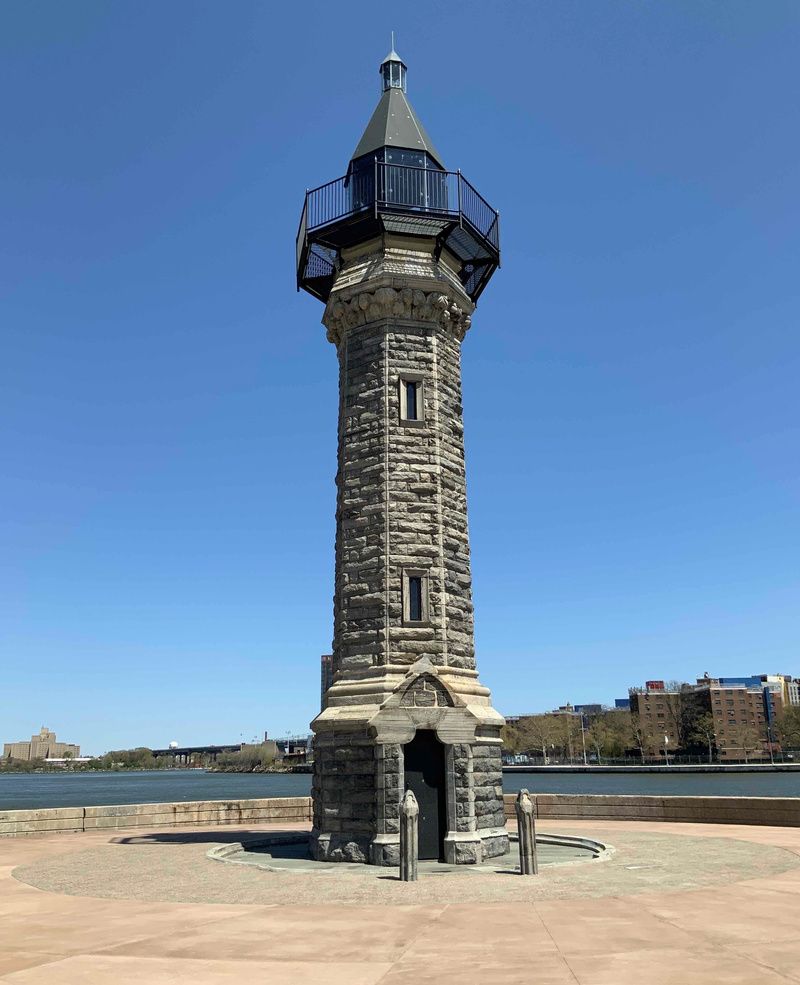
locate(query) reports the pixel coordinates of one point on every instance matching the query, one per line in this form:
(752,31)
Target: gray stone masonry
(409,838)
(526,833)
(397,314)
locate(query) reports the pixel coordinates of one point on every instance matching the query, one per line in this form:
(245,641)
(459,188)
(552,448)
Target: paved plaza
(674,903)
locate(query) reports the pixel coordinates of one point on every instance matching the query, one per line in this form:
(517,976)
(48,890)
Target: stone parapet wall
(57,820)
(50,820)
(778,811)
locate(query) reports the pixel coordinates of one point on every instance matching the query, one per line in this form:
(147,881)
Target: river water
(19,791)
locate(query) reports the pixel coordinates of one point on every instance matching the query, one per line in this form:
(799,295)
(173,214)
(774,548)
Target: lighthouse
(399,250)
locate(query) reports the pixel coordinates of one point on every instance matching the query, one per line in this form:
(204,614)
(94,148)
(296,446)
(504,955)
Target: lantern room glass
(408,178)
(394,75)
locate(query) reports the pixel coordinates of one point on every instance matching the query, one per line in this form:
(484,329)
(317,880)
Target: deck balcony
(412,201)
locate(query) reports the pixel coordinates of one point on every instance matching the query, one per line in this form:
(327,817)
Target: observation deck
(401,199)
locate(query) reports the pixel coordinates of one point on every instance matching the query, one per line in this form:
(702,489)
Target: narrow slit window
(411,400)
(415,598)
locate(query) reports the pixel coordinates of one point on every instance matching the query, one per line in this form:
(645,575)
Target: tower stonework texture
(399,249)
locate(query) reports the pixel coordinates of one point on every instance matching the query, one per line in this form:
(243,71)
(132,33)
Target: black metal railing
(401,189)
(302,232)
(477,211)
(329,203)
(417,189)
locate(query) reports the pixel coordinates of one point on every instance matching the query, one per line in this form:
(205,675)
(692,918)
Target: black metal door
(424,775)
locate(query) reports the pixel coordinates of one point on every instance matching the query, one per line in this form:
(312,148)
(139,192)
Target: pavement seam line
(561,954)
(413,941)
(760,964)
(725,948)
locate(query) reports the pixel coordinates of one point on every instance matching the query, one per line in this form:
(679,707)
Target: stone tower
(399,249)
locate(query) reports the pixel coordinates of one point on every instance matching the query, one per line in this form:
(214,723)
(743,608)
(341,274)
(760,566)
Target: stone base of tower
(365,757)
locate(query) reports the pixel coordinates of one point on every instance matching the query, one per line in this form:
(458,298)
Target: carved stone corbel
(388,302)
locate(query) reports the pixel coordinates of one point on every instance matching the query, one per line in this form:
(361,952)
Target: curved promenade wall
(198,812)
(778,811)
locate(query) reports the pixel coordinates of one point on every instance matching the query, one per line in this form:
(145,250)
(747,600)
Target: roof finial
(393,70)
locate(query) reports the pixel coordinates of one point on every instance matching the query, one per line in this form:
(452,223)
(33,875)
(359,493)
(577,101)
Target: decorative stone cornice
(388,302)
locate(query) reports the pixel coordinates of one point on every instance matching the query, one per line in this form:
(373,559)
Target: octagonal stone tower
(399,249)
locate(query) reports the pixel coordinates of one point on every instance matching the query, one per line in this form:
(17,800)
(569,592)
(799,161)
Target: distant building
(593,709)
(41,746)
(622,704)
(742,719)
(294,748)
(788,687)
(743,706)
(744,710)
(586,710)
(270,746)
(661,714)
(783,684)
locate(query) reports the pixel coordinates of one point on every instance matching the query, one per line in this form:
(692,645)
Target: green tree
(609,733)
(788,727)
(139,758)
(637,733)
(511,738)
(570,728)
(745,738)
(598,735)
(618,722)
(539,732)
(703,731)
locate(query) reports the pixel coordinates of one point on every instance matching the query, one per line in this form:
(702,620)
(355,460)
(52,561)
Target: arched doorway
(424,775)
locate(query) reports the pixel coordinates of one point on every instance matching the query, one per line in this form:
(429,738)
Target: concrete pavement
(740,927)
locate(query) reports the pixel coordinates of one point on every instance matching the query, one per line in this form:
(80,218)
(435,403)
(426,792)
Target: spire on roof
(392,56)
(394,123)
(393,70)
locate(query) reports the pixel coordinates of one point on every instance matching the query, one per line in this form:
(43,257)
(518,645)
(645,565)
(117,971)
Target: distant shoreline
(298,768)
(62,770)
(83,770)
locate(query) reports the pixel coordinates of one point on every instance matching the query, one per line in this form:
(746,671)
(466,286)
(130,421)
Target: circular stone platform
(290,853)
(173,866)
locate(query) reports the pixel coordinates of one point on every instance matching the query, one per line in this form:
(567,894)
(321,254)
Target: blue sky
(169,402)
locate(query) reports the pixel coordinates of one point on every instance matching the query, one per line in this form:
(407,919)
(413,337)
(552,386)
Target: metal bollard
(409,837)
(526,829)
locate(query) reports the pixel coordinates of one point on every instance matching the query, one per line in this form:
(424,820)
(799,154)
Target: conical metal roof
(395,124)
(392,57)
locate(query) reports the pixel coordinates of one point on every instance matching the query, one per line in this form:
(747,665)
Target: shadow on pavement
(213,837)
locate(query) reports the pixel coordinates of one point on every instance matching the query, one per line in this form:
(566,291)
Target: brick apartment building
(663,715)
(744,710)
(745,715)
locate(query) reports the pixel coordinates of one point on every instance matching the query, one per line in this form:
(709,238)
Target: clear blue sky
(168,402)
